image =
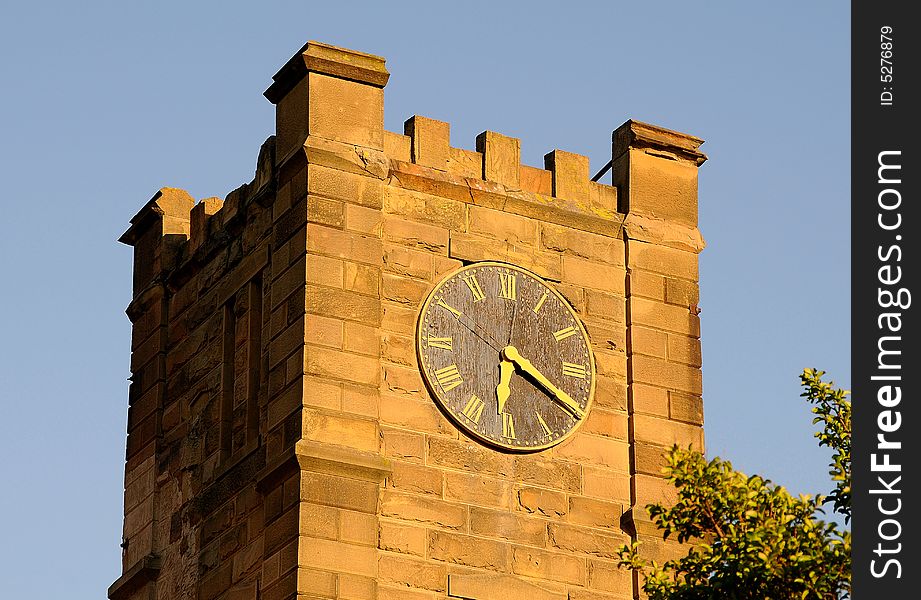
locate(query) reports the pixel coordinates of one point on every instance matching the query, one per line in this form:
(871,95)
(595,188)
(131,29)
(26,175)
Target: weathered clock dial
(505,356)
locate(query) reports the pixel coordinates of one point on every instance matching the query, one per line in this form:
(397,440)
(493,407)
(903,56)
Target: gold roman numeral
(475,288)
(508,283)
(543,424)
(540,302)
(474,409)
(573,370)
(562,334)
(448,377)
(456,312)
(508,426)
(441,342)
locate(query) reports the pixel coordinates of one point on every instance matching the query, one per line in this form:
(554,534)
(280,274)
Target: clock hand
(511,353)
(479,332)
(503,390)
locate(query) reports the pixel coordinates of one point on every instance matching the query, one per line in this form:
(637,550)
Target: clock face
(505,356)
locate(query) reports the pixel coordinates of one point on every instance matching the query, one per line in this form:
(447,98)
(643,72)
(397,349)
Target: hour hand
(511,353)
(503,390)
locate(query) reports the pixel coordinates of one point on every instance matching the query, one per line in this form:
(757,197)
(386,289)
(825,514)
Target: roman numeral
(540,302)
(543,424)
(562,334)
(573,370)
(448,377)
(456,312)
(475,288)
(440,342)
(474,409)
(508,426)
(508,282)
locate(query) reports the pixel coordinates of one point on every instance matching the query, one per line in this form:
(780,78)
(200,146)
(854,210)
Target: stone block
(423,510)
(467,550)
(502,226)
(402,538)
(430,141)
(570,175)
(501,158)
(552,566)
(508,526)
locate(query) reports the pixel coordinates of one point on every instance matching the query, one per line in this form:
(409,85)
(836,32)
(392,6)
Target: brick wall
(281,441)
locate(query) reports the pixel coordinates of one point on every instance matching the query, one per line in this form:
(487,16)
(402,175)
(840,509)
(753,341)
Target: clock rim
(430,386)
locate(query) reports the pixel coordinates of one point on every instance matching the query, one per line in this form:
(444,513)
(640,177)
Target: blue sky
(104,103)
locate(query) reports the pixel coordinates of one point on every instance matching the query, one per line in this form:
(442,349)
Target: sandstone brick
(323,270)
(416,479)
(339,492)
(508,526)
(341,304)
(469,247)
(326,362)
(403,445)
(681,292)
(425,208)
(397,147)
(663,260)
(606,423)
(553,566)
(340,185)
(361,339)
(412,573)
(648,458)
(606,306)
(542,471)
(340,430)
(646,284)
(548,503)
(409,413)
(666,432)
(502,226)
(405,261)
(649,489)
(475,489)
(404,290)
(584,540)
(611,392)
(285,283)
(430,141)
(415,235)
(403,538)
(538,181)
(605,335)
(501,158)
(398,318)
(357,587)
(316,520)
(655,371)
(684,349)
(424,510)
(325,211)
(611,363)
(467,456)
(606,484)
(403,381)
(649,400)
(319,393)
(650,342)
(346,111)
(467,550)
(595,450)
(671,318)
(608,577)
(687,408)
(399,349)
(323,331)
(362,279)
(594,513)
(337,556)
(361,400)
(365,220)
(358,528)
(594,275)
(570,175)
(343,244)
(386,592)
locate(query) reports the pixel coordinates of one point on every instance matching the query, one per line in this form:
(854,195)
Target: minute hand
(511,353)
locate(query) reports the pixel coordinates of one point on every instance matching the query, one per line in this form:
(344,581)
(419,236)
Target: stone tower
(281,441)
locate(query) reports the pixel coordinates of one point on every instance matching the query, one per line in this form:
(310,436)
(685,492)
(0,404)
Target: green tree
(748,538)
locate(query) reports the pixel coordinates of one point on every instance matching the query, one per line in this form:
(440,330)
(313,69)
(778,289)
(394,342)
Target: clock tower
(393,368)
